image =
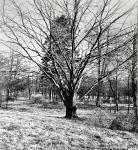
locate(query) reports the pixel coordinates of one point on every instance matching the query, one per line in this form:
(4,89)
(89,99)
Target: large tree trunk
(98,95)
(114,95)
(99,75)
(134,86)
(71,112)
(134,76)
(71,108)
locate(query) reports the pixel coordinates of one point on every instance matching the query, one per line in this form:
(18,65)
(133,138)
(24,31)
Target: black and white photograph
(68,75)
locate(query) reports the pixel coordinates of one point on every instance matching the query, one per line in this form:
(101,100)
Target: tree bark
(134,97)
(98,95)
(29,90)
(98,103)
(134,84)
(99,75)
(71,112)
(7,97)
(134,75)
(71,108)
(114,95)
(128,94)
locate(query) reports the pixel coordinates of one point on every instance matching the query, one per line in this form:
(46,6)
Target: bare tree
(11,68)
(29,25)
(134,82)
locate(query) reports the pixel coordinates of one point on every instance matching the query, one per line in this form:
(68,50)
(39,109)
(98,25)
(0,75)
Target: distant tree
(60,36)
(135,82)
(18,85)
(11,69)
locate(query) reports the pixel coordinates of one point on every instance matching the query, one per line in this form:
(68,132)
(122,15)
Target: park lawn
(30,127)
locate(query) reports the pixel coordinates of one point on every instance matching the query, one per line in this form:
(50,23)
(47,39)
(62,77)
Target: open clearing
(30,127)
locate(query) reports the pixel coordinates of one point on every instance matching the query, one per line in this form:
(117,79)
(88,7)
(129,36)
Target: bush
(123,122)
(36,98)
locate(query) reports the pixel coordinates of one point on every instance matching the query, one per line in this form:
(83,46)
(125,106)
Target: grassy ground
(31,127)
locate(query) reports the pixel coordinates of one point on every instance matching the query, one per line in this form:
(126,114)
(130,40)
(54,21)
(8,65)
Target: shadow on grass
(79,119)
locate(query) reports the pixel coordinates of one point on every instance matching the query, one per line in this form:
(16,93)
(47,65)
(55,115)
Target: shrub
(36,98)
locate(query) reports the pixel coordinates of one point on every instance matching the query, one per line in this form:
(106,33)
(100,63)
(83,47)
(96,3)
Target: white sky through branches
(130,20)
